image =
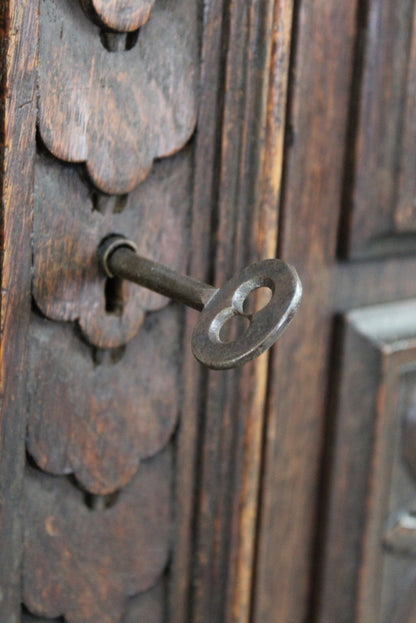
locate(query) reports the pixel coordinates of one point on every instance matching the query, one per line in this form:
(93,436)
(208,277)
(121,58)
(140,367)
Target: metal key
(218,307)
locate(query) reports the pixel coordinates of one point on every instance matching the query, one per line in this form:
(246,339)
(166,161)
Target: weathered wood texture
(84,563)
(147,607)
(322,78)
(181,583)
(317,119)
(116,112)
(370,544)
(115,407)
(120,15)
(99,408)
(245,229)
(18,36)
(380,182)
(252,439)
(68,284)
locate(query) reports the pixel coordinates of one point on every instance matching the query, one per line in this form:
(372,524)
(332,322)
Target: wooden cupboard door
(369,559)
(130,476)
(336,476)
(134,485)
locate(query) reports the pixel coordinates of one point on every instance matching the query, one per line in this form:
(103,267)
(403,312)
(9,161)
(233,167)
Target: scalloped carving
(83,564)
(120,15)
(67,283)
(110,415)
(117,112)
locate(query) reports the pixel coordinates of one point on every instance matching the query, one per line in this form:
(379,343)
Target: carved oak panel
(96,414)
(116,111)
(83,563)
(370,550)
(380,185)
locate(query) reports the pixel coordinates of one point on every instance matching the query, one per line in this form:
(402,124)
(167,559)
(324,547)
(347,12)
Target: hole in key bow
(233,328)
(253,295)
(228,326)
(257,299)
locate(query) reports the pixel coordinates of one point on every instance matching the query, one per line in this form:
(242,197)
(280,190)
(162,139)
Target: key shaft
(120,259)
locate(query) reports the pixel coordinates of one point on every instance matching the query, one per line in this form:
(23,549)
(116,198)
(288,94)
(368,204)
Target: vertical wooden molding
(240,201)
(257,182)
(194,375)
(317,115)
(18,40)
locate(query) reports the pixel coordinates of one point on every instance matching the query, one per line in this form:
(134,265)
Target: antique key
(119,259)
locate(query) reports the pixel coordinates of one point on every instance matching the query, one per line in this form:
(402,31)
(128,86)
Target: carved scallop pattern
(67,282)
(98,420)
(99,417)
(117,112)
(83,564)
(120,15)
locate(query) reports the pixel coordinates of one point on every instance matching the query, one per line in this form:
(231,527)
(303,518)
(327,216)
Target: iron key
(119,258)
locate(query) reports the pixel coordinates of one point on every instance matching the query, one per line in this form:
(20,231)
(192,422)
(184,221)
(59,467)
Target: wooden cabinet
(135,485)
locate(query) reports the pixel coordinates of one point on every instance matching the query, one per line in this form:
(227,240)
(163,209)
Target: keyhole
(114,296)
(119,41)
(101,502)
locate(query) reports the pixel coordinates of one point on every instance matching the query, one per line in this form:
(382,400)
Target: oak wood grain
(18,36)
(108,554)
(368,541)
(304,364)
(119,15)
(379,189)
(115,407)
(296,407)
(244,229)
(116,111)
(67,282)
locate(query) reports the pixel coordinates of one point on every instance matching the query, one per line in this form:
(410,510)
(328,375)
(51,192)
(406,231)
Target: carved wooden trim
(369,561)
(147,607)
(18,56)
(380,190)
(83,563)
(105,113)
(114,407)
(69,223)
(116,112)
(242,190)
(119,15)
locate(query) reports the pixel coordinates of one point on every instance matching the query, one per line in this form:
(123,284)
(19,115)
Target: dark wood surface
(104,383)
(114,410)
(281,492)
(82,562)
(18,36)
(119,15)
(116,112)
(245,228)
(369,556)
(380,185)
(304,362)
(68,284)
